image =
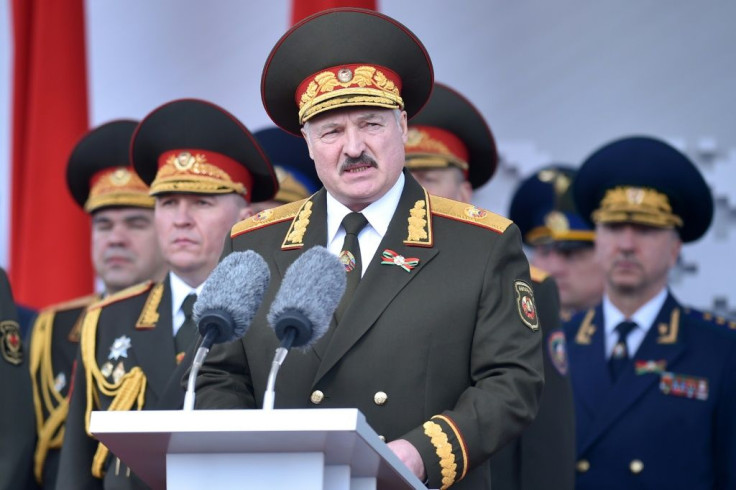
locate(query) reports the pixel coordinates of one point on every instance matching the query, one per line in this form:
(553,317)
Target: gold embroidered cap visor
(194,146)
(98,174)
(645,181)
(449,111)
(344,57)
(543,210)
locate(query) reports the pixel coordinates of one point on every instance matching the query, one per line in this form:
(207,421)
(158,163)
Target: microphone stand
(199,357)
(269,395)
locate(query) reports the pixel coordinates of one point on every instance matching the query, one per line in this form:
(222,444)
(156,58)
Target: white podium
(310,449)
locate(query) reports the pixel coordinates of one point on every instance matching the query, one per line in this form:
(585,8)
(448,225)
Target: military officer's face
(124,247)
(578,275)
(192,229)
(636,258)
(446,182)
(358,152)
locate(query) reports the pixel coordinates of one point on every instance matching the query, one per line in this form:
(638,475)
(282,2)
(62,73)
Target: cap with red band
(98,174)
(194,146)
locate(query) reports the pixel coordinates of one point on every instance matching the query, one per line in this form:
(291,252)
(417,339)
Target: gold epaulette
(126,293)
(468,213)
(267,217)
(538,275)
(81,302)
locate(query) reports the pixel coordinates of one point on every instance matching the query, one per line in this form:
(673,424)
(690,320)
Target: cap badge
(10,342)
(392,258)
(525,305)
(557,222)
(119,348)
(635,195)
(348,260)
(345,75)
(120,177)
(184,161)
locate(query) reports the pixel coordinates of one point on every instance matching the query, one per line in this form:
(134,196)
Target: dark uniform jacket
(442,355)
(670,419)
(543,457)
(127,343)
(16,404)
(53,348)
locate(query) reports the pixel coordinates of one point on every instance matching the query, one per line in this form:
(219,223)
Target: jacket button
(636,466)
(582,466)
(380,398)
(317,397)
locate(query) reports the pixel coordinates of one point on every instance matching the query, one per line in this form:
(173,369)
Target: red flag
(50,235)
(304,8)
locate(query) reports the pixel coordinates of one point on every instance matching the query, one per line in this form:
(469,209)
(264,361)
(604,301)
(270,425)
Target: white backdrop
(554,79)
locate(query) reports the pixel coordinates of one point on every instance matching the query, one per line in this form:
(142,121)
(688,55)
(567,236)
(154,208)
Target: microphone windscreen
(313,286)
(236,287)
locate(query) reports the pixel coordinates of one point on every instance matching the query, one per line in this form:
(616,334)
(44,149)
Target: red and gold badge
(525,305)
(11,344)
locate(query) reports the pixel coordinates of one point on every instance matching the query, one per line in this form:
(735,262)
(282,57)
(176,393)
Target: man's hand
(409,455)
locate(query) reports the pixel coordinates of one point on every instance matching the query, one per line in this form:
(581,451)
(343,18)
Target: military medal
(684,386)
(60,382)
(106,369)
(348,260)
(650,366)
(119,348)
(392,258)
(118,373)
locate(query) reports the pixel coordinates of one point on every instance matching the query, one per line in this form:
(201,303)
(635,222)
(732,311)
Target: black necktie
(620,355)
(350,257)
(188,330)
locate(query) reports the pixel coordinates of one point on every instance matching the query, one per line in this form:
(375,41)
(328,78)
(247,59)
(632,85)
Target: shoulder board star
(267,217)
(136,290)
(460,211)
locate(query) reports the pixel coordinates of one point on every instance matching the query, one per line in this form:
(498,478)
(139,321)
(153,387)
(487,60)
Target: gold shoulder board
(267,217)
(538,275)
(80,302)
(468,213)
(135,290)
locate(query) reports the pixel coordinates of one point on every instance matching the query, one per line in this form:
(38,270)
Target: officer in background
(446,373)
(561,240)
(294,169)
(655,390)
(124,252)
(16,403)
(204,168)
(450,150)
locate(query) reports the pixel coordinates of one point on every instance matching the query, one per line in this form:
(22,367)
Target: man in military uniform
(203,168)
(124,252)
(655,390)
(438,345)
(561,240)
(16,405)
(450,150)
(294,169)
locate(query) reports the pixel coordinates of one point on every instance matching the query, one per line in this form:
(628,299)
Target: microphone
(301,312)
(226,306)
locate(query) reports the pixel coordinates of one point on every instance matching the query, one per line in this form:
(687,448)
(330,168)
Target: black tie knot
(187,305)
(353,223)
(624,329)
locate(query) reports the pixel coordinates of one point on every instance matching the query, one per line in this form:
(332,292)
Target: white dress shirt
(179,291)
(378,214)
(643,317)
